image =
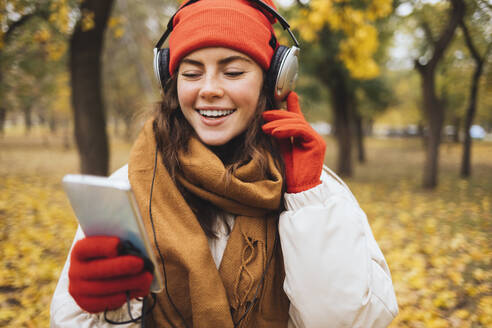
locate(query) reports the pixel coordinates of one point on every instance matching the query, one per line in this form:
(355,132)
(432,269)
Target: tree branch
(457,13)
(24,19)
(37,12)
(469,43)
(428,32)
(300,4)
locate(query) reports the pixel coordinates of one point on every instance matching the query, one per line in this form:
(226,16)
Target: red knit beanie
(234,24)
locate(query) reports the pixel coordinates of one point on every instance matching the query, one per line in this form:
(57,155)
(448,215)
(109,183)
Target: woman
(251,229)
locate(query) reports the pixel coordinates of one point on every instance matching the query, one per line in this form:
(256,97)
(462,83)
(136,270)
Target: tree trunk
(359,135)
(27,120)
(470,112)
(435,117)
(340,98)
(85,67)
(433,108)
(3,117)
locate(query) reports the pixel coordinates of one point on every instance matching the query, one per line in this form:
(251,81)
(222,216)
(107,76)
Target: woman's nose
(211,88)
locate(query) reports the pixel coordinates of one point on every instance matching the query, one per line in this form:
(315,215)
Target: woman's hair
(172,133)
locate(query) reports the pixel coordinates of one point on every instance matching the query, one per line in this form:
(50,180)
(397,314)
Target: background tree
(340,40)
(372,97)
(426,65)
(478,16)
(31,65)
(130,88)
(86,46)
(452,86)
(13,15)
(32,45)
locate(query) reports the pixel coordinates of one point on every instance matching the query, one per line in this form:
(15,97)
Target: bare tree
(470,112)
(433,107)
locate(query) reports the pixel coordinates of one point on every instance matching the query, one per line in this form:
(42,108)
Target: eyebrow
(223,61)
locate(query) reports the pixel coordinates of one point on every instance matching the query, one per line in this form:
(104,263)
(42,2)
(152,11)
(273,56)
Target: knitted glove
(302,148)
(99,278)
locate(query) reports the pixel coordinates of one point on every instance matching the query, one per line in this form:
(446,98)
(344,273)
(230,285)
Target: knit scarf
(251,273)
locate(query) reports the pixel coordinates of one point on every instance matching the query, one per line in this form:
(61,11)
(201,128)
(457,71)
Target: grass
(437,243)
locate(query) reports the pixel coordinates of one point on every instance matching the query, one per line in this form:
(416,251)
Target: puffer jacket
(336,275)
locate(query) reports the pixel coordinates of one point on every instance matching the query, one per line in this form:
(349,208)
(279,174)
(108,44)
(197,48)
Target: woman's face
(218,92)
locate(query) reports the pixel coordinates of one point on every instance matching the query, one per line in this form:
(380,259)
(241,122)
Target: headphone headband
(260,3)
(283,65)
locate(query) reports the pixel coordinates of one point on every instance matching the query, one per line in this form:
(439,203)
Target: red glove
(303,149)
(99,277)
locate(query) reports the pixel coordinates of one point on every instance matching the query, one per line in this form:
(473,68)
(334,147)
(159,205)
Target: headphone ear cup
(285,70)
(161,66)
(274,70)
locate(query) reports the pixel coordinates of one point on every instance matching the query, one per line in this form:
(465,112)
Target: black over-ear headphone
(281,76)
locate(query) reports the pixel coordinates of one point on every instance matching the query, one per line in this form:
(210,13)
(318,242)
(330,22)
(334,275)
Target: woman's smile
(215,112)
(215,117)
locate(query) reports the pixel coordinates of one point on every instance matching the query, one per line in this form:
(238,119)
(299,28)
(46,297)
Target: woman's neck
(228,153)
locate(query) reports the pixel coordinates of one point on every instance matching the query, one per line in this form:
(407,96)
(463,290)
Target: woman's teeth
(215,113)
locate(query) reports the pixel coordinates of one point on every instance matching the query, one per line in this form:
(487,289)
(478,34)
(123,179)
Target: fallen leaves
(438,248)
(36,229)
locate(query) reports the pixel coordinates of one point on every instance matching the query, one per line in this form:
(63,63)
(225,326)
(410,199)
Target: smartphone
(107,207)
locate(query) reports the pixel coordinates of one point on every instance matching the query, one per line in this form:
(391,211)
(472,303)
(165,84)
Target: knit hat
(236,24)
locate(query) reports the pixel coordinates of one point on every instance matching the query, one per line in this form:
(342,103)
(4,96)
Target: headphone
(283,71)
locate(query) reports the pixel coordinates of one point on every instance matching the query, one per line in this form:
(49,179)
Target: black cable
(128,306)
(143,312)
(132,319)
(157,244)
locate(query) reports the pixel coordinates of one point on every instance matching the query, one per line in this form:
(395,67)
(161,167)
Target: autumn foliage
(355,21)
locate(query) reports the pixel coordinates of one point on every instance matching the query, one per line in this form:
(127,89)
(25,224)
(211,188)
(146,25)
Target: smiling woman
(251,229)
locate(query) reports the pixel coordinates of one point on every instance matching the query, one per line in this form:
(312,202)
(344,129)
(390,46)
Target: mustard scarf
(251,271)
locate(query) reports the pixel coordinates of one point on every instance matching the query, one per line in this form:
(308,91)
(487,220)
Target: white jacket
(336,275)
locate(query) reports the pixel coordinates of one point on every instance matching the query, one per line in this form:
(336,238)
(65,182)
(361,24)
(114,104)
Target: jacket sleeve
(64,311)
(336,275)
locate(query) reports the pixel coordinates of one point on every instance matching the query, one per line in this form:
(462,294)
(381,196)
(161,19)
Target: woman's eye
(190,75)
(234,73)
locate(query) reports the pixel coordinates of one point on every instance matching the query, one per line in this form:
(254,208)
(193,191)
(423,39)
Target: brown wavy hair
(172,132)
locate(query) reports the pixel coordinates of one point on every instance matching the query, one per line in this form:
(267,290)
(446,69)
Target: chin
(215,141)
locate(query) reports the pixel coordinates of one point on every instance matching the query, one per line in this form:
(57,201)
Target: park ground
(437,243)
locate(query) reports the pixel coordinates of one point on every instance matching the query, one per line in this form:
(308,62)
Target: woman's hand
(100,277)
(303,149)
